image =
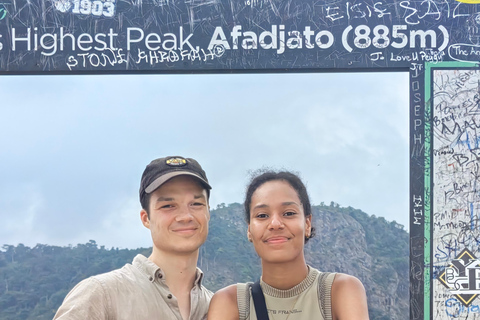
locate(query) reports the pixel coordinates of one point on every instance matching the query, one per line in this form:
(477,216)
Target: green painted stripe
(426,196)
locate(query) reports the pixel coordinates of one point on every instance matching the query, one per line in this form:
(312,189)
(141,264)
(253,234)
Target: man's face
(179,215)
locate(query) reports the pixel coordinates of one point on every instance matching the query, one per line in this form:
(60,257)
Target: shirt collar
(152,271)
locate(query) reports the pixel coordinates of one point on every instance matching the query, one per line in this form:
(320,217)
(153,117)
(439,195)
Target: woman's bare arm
(349,300)
(224,304)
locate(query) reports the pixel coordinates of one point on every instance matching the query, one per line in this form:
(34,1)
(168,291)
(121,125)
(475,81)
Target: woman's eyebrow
(260,206)
(289,203)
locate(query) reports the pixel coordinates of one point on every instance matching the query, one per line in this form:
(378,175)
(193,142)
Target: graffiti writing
(117,57)
(456,221)
(453,308)
(159,56)
(109,57)
(3,11)
(464,52)
(413,12)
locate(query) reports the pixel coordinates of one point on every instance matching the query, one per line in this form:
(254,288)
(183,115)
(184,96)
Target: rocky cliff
(347,240)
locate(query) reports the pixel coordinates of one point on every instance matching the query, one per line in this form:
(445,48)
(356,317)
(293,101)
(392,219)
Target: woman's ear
(249,235)
(308,226)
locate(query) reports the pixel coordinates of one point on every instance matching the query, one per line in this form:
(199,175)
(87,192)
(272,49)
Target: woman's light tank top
(310,299)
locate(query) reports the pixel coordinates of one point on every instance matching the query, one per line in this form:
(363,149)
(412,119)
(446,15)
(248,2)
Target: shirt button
(151,279)
(160,276)
(169,296)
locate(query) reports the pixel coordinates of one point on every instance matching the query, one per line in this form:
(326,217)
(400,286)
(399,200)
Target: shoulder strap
(259,301)
(243,300)
(325,281)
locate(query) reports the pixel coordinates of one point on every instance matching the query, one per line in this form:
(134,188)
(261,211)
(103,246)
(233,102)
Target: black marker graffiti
(456,194)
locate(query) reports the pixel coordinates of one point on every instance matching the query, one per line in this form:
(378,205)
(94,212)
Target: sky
(73,148)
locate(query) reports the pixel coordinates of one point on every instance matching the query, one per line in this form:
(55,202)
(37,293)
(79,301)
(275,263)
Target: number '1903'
(97,8)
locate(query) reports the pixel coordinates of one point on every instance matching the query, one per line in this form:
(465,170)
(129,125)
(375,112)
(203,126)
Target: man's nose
(184,214)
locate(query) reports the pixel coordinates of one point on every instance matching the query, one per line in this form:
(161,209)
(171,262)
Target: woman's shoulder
(346,282)
(349,300)
(229,292)
(224,304)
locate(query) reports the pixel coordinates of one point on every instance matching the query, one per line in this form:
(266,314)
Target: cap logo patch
(176,162)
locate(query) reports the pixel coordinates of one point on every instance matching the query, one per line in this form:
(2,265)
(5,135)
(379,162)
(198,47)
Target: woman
(279,217)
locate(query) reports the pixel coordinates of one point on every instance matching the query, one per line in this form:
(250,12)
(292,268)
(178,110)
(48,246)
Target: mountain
(347,240)
(34,281)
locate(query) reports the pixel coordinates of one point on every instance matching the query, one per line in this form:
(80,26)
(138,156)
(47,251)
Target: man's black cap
(161,170)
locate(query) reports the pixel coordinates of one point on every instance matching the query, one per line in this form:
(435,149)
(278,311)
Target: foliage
(35,280)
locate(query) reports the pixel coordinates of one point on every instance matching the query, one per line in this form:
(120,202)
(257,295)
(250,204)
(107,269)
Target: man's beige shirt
(135,292)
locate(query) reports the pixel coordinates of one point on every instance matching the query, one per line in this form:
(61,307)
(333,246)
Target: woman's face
(278,225)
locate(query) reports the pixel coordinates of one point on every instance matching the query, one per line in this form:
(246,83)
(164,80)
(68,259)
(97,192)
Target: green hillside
(34,281)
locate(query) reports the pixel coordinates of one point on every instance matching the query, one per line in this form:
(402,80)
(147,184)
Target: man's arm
(349,300)
(87,300)
(224,304)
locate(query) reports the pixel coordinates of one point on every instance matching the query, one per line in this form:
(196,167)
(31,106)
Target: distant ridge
(34,281)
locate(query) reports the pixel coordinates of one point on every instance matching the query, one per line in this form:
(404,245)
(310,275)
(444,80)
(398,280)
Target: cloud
(20,214)
(71,160)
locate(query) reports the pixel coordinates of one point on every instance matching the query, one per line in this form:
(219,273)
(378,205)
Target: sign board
(53,36)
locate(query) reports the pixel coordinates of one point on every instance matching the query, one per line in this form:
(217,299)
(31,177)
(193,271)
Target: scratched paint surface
(456,194)
(42,36)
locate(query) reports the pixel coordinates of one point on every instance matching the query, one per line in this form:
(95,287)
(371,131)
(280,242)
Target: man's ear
(144,218)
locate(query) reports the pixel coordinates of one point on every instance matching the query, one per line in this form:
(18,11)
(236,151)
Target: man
(174,194)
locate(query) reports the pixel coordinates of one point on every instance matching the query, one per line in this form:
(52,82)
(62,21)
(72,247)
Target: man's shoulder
(115,274)
(97,297)
(128,275)
(107,278)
